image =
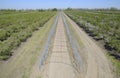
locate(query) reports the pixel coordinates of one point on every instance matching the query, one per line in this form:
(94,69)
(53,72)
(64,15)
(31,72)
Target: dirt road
(96,63)
(59,64)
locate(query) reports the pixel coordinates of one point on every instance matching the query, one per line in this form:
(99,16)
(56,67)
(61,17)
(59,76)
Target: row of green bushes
(100,26)
(16,28)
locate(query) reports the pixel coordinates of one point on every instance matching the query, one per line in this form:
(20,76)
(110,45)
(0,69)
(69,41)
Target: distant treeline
(95,9)
(22,10)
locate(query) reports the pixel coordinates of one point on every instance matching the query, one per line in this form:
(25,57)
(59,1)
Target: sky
(61,4)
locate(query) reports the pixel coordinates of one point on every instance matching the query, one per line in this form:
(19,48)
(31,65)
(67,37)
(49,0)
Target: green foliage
(16,27)
(102,25)
(116,64)
(3,35)
(54,9)
(113,9)
(68,9)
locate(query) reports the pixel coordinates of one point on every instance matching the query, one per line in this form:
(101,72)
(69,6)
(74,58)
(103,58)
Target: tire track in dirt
(59,64)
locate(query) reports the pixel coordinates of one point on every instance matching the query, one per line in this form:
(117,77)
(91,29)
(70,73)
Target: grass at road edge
(74,33)
(44,32)
(115,63)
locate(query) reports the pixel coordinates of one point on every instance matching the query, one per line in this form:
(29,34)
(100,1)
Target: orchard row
(101,25)
(16,27)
